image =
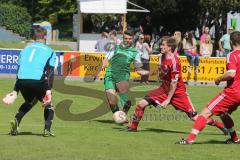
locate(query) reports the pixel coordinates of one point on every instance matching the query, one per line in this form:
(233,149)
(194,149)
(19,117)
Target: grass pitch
(101,139)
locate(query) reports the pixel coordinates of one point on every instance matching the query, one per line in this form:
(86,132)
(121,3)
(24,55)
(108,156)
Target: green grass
(100,139)
(21,45)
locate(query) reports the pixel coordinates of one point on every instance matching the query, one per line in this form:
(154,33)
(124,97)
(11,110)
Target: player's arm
(226,77)
(141,71)
(104,63)
(175,71)
(50,77)
(47,99)
(12,96)
(50,71)
(172,89)
(138,66)
(231,70)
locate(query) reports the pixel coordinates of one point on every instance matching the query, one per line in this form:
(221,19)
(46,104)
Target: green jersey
(119,63)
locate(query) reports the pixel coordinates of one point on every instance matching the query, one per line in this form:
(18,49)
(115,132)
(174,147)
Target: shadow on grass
(24,134)
(104,121)
(29,134)
(162,131)
(174,131)
(211,142)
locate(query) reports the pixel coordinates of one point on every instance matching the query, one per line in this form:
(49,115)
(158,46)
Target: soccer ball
(119,117)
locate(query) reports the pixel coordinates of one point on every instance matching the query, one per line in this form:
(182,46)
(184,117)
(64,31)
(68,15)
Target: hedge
(15,18)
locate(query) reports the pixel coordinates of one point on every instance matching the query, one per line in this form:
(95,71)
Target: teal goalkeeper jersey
(119,62)
(34,59)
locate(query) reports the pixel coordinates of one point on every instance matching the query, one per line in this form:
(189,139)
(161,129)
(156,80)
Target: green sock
(123,97)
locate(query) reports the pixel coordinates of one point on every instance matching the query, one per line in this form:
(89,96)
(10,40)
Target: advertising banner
(71,64)
(9,61)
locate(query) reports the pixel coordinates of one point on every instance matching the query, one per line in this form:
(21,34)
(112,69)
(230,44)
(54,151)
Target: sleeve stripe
(232,70)
(174,65)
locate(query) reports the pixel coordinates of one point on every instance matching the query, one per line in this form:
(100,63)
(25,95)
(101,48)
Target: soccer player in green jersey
(116,79)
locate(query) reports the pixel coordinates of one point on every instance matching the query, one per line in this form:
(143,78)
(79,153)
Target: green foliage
(53,10)
(20,23)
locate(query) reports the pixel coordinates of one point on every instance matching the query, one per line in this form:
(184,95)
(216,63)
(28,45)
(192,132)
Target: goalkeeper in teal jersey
(116,79)
(34,81)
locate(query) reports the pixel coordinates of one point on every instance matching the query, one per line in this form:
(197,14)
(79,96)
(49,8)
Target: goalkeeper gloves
(10,98)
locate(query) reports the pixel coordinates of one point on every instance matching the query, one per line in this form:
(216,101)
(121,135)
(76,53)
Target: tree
(53,10)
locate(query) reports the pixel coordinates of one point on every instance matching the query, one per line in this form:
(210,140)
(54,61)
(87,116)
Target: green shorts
(110,83)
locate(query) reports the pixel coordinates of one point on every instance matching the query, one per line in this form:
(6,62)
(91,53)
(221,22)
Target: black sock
(24,108)
(48,117)
(114,108)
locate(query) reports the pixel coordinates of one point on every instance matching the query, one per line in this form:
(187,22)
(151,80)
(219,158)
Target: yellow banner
(89,64)
(209,68)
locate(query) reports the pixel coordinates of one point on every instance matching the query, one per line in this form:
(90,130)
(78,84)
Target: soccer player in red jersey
(172,91)
(225,102)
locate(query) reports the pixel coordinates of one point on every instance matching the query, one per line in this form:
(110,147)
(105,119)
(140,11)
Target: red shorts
(223,103)
(180,101)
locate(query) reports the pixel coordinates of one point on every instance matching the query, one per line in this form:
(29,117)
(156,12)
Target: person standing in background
(224,42)
(144,50)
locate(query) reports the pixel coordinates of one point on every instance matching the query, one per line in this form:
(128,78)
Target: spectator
(224,43)
(204,35)
(144,50)
(178,37)
(114,38)
(190,50)
(206,48)
(97,25)
(101,43)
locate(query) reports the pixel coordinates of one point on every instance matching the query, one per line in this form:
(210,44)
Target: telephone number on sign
(11,67)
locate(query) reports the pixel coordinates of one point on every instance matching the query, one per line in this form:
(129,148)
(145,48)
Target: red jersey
(170,70)
(233,65)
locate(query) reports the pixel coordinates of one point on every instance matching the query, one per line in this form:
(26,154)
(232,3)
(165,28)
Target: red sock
(229,124)
(197,127)
(139,111)
(215,123)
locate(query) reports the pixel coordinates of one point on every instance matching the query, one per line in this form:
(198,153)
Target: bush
(15,18)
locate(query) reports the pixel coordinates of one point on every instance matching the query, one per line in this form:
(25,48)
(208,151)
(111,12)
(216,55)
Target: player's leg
(111,94)
(30,101)
(183,102)
(197,127)
(124,101)
(23,109)
(218,105)
(196,67)
(153,98)
(138,114)
(41,94)
(190,59)
(229,124)
(112,99)
(48,118)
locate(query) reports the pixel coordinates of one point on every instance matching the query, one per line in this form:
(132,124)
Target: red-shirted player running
(227,101)
(172,91)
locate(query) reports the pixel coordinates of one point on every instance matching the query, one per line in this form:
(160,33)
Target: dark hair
(113,32)
(171,42)
(39,33)
(189,38)
(129,32)
(235,38)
